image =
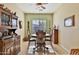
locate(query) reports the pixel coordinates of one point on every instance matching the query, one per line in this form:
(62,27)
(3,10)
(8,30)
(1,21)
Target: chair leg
(44,48)
(47,50)
(33,50)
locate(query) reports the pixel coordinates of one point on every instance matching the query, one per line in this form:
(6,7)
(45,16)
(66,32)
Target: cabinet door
(7,51)
(12,50)
(5,18)
(55,36)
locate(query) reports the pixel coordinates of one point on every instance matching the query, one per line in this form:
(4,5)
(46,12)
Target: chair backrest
(74,52)
(40,35)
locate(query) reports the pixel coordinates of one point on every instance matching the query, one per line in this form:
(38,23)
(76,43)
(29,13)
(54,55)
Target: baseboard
(66,50)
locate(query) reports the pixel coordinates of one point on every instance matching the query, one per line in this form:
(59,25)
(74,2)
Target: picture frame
(69,21)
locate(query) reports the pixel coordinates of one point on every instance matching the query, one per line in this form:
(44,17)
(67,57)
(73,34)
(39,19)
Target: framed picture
(69,21)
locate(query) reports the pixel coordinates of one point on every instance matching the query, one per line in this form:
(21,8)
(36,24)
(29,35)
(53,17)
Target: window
(38,25)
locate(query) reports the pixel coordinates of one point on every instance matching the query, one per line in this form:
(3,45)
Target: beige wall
(20,15)
(68,36)
(47,17)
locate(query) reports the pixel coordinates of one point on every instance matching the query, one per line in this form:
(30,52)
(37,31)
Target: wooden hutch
(9,40)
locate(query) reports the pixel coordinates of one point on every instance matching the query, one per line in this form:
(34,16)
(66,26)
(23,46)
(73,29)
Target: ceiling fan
(41,5)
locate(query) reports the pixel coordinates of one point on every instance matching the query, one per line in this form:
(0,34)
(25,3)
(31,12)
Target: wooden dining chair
(74,52)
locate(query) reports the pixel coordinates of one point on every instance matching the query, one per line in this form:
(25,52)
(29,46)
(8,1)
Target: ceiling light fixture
(41,6)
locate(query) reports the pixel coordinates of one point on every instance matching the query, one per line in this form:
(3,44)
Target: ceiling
(32,8)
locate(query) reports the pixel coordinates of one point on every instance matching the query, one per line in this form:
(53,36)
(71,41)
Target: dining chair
(74,52)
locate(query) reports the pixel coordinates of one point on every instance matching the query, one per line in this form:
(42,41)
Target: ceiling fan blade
(44,3)
(43,7)
(38,3)
(41,3)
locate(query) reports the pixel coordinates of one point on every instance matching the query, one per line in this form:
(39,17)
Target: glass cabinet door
(5,19)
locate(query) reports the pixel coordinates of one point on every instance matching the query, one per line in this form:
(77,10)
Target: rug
(48,44)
